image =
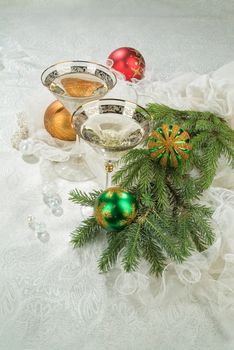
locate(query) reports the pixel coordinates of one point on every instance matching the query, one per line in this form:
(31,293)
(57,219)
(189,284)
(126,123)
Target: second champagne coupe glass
(74,83)
(112,127)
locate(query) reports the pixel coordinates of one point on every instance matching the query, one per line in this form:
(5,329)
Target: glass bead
(31,222)
(53,201)
(43,236)
(40,227)
(57,211)
(26,147)
(46,199)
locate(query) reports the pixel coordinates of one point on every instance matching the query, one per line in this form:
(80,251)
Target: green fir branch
(132,252)
(134,170)
(199,140)
(168,243)
(85,233)
(201,221)
(227,149)
(146,175)
(159,190)
(209,163)
(82,198)
(136,154)
(128,175)
(183,233)
(152,252)
(169,223)
(116,242)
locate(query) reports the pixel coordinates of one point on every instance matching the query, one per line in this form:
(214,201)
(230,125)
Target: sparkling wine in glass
(74,83)
(112,127)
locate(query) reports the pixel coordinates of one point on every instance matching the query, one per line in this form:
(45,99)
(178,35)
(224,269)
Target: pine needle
(82,198)
(169,225)
(85,233)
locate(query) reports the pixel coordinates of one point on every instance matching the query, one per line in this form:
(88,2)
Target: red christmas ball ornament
(129,62)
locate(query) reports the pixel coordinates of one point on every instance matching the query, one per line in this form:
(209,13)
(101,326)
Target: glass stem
(108,168)
(75,147)
(76,151)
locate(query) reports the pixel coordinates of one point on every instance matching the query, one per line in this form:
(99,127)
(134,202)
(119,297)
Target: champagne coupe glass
(112,127)
(74,83)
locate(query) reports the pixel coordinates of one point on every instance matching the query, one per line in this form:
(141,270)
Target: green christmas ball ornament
(115,208)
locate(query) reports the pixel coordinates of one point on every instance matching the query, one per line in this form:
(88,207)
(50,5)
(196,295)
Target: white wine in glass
(112,127)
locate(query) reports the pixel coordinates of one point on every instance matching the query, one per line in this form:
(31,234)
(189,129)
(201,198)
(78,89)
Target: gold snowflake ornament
(170,145)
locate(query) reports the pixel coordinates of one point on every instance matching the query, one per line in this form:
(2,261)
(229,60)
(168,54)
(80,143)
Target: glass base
(30,159)
(75,169)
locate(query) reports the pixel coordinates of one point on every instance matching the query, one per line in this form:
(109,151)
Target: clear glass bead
(53,201)
(31,222)
(43,236)
(40,227)
(57,211)
(26,147)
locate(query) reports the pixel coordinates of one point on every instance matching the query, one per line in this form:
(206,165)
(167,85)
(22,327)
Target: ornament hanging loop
(108,168)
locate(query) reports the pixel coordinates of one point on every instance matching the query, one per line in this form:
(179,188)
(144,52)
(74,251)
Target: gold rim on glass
(111,99)
(76,61)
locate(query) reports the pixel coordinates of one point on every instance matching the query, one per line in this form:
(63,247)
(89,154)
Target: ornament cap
(109,167)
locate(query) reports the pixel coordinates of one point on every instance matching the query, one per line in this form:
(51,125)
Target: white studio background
(52,297)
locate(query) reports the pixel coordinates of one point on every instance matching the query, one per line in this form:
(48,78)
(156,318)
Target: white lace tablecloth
(53,297)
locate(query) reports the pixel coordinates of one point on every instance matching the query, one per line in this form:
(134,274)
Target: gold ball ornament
(57,121)
(170,145)
(115,209)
